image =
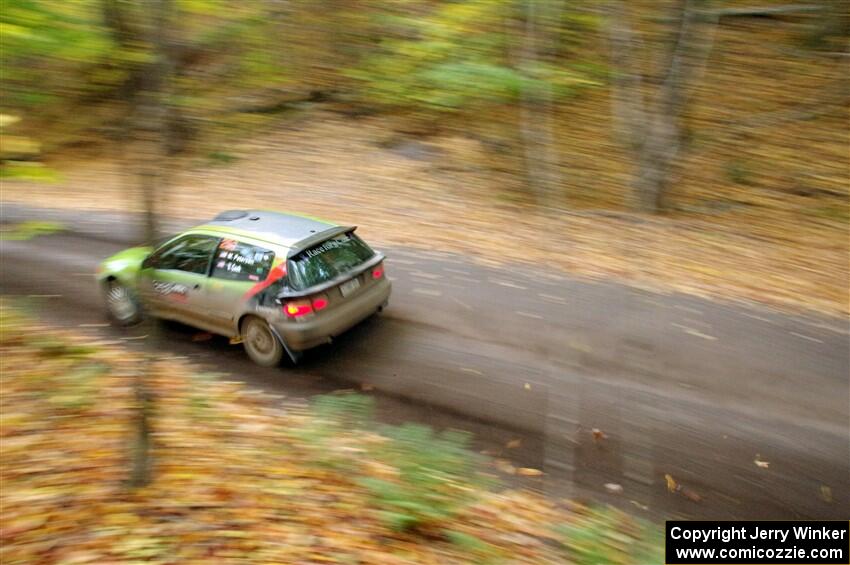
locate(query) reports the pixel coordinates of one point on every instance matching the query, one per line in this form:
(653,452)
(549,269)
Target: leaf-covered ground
(237,478)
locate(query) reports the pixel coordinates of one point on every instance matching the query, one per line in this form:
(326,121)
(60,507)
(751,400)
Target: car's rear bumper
(305,334)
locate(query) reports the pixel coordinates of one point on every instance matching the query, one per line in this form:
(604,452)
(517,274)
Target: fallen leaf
(639,505)
(527,386)
(598,435)
(760,463)
(673,486)
(825,493)
(213,512)
(614,488)
(690,494)
(504,466)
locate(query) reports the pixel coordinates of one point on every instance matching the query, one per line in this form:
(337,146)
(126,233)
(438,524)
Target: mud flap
(295,356)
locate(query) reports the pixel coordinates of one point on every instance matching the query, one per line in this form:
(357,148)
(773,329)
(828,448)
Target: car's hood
(125,264)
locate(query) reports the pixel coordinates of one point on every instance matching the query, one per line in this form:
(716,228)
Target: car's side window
(237,261)
(191,254)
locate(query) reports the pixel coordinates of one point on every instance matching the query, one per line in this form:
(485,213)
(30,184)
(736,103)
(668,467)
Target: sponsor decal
(277,273)
(327,246)
(228,244)
(164,287)
(268,310)
(175,291)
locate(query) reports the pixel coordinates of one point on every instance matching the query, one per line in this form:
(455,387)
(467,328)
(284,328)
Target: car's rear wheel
(121,304)
(260,343)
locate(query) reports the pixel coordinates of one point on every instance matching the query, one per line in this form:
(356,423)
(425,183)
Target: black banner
(759,543)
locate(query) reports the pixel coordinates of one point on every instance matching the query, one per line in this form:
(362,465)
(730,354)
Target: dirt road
(747,410)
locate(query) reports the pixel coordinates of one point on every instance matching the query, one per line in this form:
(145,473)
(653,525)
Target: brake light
(320,304)
(378,272)
(298,309)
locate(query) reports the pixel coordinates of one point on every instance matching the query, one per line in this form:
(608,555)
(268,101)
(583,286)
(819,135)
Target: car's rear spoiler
(318,238)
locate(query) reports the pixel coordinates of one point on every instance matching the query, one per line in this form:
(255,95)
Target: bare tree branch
(765,11)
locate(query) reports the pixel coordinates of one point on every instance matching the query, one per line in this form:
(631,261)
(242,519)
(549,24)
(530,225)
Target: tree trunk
(654,131)
(662,136)
(627,104)
(153,140)
(151,127)
(658,153)
(141,454)
(536,109)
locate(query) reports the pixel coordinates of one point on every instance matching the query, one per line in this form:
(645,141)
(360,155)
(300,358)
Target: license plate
(348,287)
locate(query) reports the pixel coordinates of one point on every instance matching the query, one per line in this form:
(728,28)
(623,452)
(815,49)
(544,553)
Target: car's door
(173,279)
(240,268)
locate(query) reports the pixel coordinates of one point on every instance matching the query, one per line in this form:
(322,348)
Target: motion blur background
(725,122)
(616,228)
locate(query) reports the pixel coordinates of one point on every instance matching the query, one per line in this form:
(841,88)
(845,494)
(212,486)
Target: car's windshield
(327,260)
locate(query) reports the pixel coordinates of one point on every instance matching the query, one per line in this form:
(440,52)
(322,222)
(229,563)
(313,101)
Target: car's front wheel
(261,345)
(121,304)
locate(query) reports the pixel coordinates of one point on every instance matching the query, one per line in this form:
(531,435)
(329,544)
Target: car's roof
(275,227)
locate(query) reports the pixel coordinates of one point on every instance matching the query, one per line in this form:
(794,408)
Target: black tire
(122,304)
(260,343)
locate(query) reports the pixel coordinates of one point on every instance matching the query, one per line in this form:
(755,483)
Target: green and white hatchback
(278,282)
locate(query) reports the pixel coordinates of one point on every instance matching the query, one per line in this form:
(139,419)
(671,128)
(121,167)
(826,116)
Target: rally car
(279,283)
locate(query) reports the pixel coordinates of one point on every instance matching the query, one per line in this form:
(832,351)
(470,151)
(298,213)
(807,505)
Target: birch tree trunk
(536,108)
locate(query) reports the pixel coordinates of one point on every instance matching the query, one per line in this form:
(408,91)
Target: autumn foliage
(522,129)
(240,478)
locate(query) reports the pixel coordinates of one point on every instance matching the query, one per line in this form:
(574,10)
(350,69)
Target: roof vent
(230,215)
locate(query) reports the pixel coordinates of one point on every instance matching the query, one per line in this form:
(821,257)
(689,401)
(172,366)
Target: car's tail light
(298,308)
(320,303)
(378,272)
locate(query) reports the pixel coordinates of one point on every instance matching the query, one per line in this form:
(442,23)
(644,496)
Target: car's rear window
(327,260)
